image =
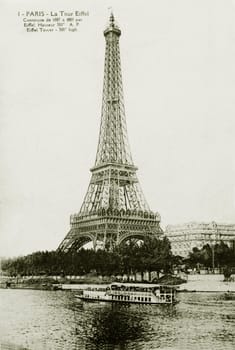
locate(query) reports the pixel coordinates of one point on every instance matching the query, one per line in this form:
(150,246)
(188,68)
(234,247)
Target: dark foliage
(218,255)
(132,256)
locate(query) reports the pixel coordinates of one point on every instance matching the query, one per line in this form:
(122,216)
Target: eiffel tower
(114,208)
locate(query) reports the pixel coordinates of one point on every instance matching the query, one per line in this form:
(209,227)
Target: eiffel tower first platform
(114,208)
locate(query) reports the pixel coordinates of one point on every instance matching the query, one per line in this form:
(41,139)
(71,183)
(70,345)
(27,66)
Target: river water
(33,319)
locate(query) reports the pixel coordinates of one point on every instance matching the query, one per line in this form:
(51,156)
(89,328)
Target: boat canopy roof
(143,285)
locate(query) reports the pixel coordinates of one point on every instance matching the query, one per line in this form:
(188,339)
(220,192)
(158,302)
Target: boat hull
(110,300)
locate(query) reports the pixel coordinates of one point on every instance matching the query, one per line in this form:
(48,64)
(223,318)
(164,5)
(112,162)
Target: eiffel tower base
(106,232)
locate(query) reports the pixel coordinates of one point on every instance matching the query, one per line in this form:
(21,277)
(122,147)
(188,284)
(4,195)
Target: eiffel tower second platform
(114,209)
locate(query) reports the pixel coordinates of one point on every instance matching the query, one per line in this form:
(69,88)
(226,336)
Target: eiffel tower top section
(113,146)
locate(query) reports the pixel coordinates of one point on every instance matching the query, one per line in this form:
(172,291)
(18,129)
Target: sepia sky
(178,65)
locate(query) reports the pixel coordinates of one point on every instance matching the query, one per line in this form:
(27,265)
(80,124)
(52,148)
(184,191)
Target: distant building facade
(184,237)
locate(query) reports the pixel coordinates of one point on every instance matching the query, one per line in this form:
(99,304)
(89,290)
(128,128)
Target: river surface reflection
(32,319)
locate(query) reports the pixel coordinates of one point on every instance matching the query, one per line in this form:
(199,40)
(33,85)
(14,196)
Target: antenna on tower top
(112,24)
(111,17)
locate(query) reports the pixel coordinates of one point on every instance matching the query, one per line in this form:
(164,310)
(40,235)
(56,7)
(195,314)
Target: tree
(219,255)
(128,253)
(155,255)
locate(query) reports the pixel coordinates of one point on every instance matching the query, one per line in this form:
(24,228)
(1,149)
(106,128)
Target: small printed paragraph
(52,21)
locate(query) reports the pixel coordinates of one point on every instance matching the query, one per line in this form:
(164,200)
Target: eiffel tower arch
(114,208)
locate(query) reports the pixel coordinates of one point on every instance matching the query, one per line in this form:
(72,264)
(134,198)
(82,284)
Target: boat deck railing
(126,292)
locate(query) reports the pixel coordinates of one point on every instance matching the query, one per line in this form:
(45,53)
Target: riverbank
(55,282)
(48,282)
(194,283)
(209,286)
(207,283)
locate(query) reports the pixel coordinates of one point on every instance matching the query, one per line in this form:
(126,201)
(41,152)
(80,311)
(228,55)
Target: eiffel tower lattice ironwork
(114,208)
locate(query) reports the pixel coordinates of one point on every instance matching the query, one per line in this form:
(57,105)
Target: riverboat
(131,293)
